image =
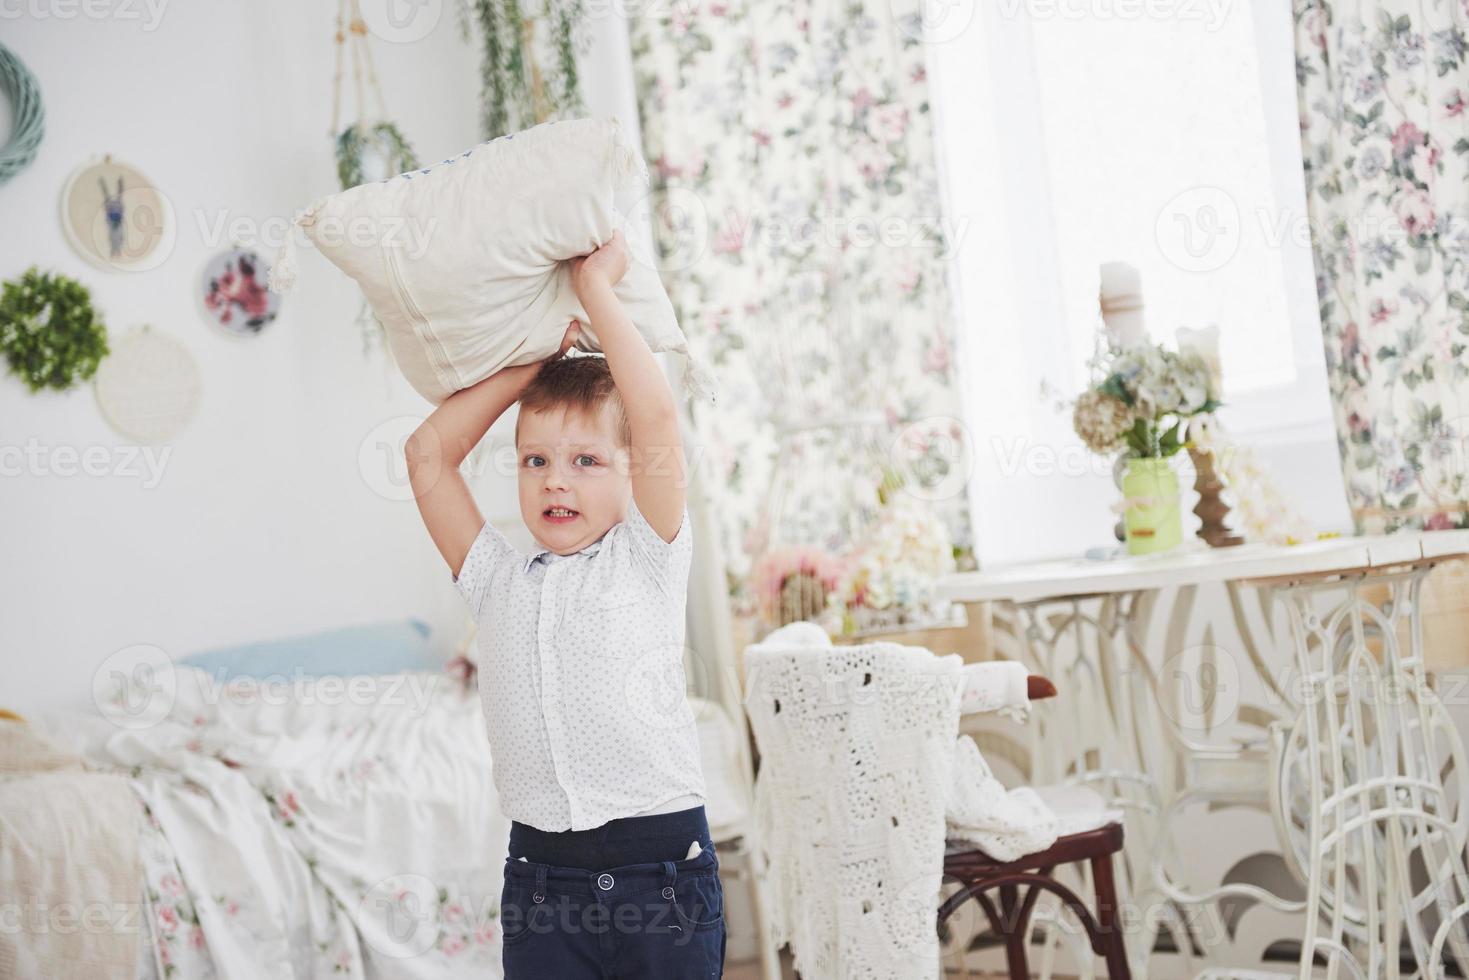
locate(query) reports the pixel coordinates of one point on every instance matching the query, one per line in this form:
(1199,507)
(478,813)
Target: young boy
(611,871)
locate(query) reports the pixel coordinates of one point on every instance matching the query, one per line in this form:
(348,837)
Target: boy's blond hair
(578,383)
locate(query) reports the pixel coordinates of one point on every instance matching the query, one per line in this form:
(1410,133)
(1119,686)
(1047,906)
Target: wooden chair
(980,876)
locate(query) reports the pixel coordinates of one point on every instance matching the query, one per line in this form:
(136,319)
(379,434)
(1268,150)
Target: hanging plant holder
(368,149)
(366,141)
(367,152)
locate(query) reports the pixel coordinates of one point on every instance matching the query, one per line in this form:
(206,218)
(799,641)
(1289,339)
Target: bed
(318,807)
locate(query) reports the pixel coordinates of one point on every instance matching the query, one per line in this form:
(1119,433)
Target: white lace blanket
(858,771)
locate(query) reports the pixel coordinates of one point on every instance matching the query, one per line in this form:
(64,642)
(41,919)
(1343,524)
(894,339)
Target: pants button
(604,882)
(667,891)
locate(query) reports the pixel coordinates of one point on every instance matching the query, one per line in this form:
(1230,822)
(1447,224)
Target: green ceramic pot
(1158,526)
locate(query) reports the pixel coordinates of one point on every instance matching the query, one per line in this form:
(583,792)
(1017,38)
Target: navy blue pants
(617,901)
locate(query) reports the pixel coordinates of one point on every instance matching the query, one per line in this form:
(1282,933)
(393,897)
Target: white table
(1352,755)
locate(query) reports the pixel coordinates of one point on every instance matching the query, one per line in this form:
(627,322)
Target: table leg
(1364,776)
(1106,735)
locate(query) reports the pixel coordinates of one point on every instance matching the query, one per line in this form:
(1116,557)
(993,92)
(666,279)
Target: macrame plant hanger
(351,27)
(352,41)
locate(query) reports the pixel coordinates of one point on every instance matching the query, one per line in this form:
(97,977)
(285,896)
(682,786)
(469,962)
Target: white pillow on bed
(463,261)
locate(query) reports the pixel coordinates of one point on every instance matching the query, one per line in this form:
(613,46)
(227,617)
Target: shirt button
(604,882)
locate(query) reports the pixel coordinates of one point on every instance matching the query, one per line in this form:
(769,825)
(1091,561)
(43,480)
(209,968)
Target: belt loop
(670,873)
(540,895)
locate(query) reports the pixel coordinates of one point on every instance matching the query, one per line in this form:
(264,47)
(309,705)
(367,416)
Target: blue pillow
(375,648)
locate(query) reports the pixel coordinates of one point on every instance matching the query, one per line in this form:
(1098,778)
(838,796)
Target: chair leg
(1014,917)
(1107,919)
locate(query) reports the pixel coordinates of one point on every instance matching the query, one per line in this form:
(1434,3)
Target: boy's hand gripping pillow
(464,261)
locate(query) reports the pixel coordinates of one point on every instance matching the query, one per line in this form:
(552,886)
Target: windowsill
(1074,513)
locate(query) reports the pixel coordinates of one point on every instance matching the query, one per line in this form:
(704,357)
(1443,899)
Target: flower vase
(1153,521)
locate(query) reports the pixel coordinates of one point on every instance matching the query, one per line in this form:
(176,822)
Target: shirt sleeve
(490,549)
(666,561)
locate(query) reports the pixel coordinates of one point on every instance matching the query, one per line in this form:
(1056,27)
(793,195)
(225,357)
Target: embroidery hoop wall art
(233,293)
(148,390)
(115,217)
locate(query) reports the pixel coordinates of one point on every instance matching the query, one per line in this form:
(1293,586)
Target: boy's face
(574,482)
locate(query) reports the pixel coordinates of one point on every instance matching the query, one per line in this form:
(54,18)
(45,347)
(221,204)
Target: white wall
(263,524)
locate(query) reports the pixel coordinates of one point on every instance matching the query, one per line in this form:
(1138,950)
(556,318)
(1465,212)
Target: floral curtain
(1382,87)
(796,207)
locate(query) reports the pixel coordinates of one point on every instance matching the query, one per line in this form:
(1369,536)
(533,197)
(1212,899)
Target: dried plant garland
(527,76)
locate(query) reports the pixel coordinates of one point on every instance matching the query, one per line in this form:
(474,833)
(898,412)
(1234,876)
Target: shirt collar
(538,552)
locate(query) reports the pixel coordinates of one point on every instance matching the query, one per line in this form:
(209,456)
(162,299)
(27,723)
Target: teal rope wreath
(20,87)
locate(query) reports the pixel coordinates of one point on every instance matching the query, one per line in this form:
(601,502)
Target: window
(1162,133)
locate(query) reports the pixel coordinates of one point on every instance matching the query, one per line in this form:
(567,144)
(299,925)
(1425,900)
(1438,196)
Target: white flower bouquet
(1146,395)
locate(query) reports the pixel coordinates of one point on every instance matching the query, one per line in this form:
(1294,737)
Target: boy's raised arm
(437,448)
(657,457)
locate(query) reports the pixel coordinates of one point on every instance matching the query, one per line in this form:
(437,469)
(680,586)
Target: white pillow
(463,261)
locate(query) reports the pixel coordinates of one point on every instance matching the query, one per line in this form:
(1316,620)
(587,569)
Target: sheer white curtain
(1077,132)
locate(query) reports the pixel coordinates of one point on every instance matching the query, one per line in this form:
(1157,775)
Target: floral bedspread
(315,829)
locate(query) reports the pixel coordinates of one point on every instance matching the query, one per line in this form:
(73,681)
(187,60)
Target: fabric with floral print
(314,829)
(796,207)
(1382,87)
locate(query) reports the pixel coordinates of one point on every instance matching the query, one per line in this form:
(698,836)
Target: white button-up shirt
(581,674)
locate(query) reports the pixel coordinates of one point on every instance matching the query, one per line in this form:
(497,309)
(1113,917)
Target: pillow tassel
(283,270)
(629,169)
(698,380)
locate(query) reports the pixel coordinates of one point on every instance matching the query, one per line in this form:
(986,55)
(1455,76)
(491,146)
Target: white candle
(1121,298)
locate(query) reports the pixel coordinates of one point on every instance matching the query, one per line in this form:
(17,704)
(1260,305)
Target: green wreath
(358,137)
(50,334)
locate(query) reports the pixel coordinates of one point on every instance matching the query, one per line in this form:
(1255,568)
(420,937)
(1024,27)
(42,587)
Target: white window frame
(1007,282)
